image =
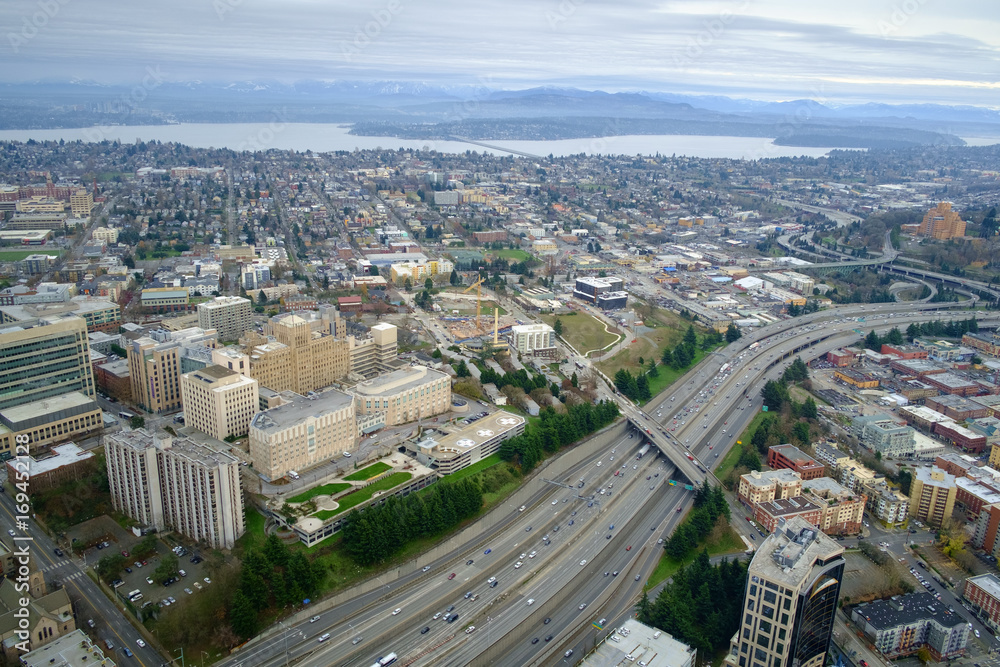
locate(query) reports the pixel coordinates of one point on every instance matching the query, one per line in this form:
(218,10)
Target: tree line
(271,576)
(555,431)
(951,329)
(636,387)
(702,606)
(380,531)
(519,378)
(709,504)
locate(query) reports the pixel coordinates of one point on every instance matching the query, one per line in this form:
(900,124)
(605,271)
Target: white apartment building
(170,482)
(230,316)
(409,394)
(218,401)
(536,339)
(302,432)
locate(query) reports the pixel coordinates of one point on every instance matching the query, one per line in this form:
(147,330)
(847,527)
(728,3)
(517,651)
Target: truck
(642,452)
(725,367)
(754,346)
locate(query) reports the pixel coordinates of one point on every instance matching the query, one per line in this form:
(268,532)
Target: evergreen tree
(243,616)
(689,336)
(733,333)
(574,380)
(557,326)
(668,357)
(642,388)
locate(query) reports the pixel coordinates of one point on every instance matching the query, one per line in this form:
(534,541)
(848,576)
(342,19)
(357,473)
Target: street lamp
(203,654)
(182,655)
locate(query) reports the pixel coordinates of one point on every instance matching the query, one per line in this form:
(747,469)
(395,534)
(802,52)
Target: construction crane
(479,295)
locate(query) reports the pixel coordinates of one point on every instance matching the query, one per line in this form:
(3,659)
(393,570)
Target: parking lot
(140,575)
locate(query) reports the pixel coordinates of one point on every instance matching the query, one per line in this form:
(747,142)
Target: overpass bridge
(685,462)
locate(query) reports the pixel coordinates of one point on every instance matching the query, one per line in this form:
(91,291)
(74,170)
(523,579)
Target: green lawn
(254,534)
(509,253)
(729,462)
(479,466)
(583,331)
(368,472)
(666,375)
(18,255)
(358,497)
(728,542)
(325,490)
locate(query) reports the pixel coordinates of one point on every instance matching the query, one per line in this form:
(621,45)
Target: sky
(849,51)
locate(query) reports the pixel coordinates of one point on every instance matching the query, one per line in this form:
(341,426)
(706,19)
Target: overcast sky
(845,51)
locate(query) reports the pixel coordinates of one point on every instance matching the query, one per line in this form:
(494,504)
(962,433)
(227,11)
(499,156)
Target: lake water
(323,137)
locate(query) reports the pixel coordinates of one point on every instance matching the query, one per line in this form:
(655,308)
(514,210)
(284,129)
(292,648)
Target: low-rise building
(858,379)
(302,432)
(983,594)
(74,649)
(633,642)
(452,450)
(904,624)
(885,436)
(789,456)
(757,487)
(533,339)
(49,421)
(61,464)
(404,395)
(33,617)
(165,299)
(841,357)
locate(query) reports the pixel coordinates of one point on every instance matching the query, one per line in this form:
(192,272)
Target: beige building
(155,365)
(163,482)
(793,586)
(409,394)
(49,421)
(302,432)
(106,234)
(49,616)
(761,487)
(70,650)
(375,354)
(300,353)
(841,510)
(218,401)
(81,203)
(942,223)
(932,495)
(44,359)
(230,316)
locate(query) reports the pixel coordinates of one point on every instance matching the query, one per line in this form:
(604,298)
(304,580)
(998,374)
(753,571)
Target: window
(770,597)
(765,626)
(768,612)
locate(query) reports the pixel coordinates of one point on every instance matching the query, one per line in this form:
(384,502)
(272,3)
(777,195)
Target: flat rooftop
(908,610)
(989,583)
(645,643)
(21,417)
(395,382)
(473,434)
(788,554)
(62,455)
(298,409)
(72,650)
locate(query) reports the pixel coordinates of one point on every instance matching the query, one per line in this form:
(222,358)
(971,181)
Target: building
(448,451)
(840,358)
(43,616)
(790,601)
(961,437)
(106,234)
(889,506)
(601,290)
(230,316)
(885,436)
(156,362)
(858,379)
(958,408)
(759,487)
(770,513)
(904,351)
(302,432)
(164,482)
(638,643)
(830,456)
(99,313)
(533,339)
(904,624)
(218,401)
(941,223)
(841,510)
(983,594)
(404,395)
(53,221)
(73,649)
(986,342)
(949,383)
(984,534)
(49,421)
(375,354)
(44,359)
(791,457)
(113,379)
(64,463)
(81,203)
(932,495)
(165,299)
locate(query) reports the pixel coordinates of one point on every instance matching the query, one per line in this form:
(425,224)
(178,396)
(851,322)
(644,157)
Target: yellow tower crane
(479,296)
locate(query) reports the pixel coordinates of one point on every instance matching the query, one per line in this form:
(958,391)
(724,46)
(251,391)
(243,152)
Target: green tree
(454,279)
(642,388)
(243,616)
(261,298)
(428,284)
(667,358)
(137,422)
(894,337)
(108,567)
(873,341)
(801,431)
(775,394)
(557,326)
(733,333)
(653,372)
(689,336)
(462,370)
(574,380)
(408,285)
(167,568)
(809,410)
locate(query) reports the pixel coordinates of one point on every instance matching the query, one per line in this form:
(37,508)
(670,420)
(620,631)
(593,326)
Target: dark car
(129,570)
(494,584)
(451,608)
(535,640)
(425,631)
(549,638)
(469,562)
(58,552)
(547,621)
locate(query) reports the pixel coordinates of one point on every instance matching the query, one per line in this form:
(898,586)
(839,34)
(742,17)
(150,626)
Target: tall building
(302,432)
(535,339)
(932,495)
(81,203)
(408,394)
(164,482)
(790,601)
(156,362)
(219,402)
(44,359)
(231,316)
(375,354)
(301,352)
(941,223)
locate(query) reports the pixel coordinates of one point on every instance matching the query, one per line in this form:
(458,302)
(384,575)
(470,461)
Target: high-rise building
(231,316)
(408,394)
(375,354)
(302,432)
(942,223)
(156,362)
(81,203)
(300,352)
(219,402)
(932,495)
(44,359)
(790,601)
(536,339)
(170,482)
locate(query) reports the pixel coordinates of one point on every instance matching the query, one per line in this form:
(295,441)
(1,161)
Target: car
(468,595)
(451,576)
(546,621)
(494,584)
(491,580)
(172,599)
(583,562)
(637,577)
(425,630)
(469,630)
(426,568)
(528,529)
(58,552)
(518,565)
(124,553)
(487,551)
(357,640)
(571,522)
(323,637)
(531,601)
(126,651)
(864,663)
(532,554)
(535,640)
(436,616)
(615,573)
(608,573)
(149,580)
(549,638)
(189,591)
(207,580)
(128,570)
(582,606)
(140,643)
(977,633)
(555,502)
(469,562)
(137,564)
(521,508)
(10,532)
(608,537)
(198,585)
(396,611)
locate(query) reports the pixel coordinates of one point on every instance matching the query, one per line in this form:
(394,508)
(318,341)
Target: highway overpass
(680,457)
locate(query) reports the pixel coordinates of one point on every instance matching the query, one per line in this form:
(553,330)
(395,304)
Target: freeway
(505,623)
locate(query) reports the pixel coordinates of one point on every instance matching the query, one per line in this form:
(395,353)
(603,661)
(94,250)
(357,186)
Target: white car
(583,562)
(518,565)
(469,630)
(396,611)
(531,601)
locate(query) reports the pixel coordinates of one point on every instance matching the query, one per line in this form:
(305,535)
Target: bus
(387,660)
(126,415)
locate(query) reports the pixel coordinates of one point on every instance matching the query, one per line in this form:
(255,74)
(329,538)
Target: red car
(125,553)
(864,663)
(451,576)
(628,548)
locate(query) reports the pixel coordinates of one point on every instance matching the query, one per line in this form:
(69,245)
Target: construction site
(456,315)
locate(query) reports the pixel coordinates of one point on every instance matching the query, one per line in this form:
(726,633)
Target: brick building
(904,351)
(791,457)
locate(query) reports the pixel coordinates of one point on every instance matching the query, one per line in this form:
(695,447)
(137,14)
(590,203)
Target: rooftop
(908,610)
(398,381)
(789,553)
(643,643)
(70,650)
(783,506)
(768,477)
(298,409)
(988,582)
(472,435)
(62,455)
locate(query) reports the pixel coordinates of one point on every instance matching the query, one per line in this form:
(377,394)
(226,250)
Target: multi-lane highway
(707,405)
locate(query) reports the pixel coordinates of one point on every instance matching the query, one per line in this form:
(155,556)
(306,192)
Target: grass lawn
(479,466)
(720,542)
(254,534)
(368,472)
(358,497)
(511,253)
(583,331)
(729,462)
(325,490)
(18,255)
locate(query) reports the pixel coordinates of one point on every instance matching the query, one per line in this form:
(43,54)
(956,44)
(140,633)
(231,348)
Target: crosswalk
(56,566)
